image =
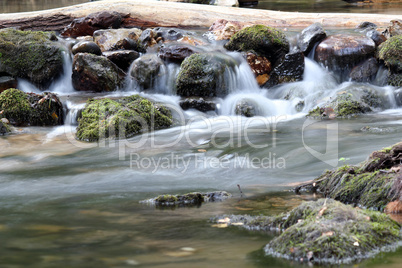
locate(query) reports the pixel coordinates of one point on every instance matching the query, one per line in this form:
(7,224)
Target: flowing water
(67,203)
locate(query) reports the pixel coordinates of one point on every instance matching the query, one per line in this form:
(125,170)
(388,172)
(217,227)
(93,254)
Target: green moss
(391,53)
(263,40)
(15,106)
(122,118)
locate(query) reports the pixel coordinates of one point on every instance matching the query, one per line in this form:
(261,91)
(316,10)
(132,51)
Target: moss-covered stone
(30,109)
(202,75)
(395,80)
(324,231)
(4,127)
(391,53)
(121,118)
(188,198)
(30,55)
(263,40)
(369,184)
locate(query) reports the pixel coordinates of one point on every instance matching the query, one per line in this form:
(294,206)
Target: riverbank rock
(199,104)
(176,53)
(391,53)
(309,37)
(86,47)
(30,109)
(323,232)
(121,118)
(30,55)
(342,52)
(96,73)
(7,82)
(371,184)
(203,75)
(146,70)
(114,39)
(195,198)
(122,58)
(94,21)
(263,40)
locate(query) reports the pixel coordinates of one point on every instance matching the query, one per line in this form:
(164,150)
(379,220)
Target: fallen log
(167,14)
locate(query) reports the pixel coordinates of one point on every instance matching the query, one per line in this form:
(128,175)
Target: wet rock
(30,55)
(391,53)
(94,21)
(343,52)
(202,75)
(149,38)
(169,34)
(260,66)
(224,30)
(30,109)
(129,44)
(121,118)
(378,130)
(176,53)
(146,69)
(290,68)
(114,39)
(377,37)
(246,108)
(122,58)
(263,40)
(7,82)
(394,29)
(4,128)
(86,47)
(188,199)
(199,104)
(395,80)
(309,37)
(96,73)
(365,72)
(366,26)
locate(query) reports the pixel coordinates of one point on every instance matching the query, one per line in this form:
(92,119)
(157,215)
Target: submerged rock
(30,55)
(30,109)
(309,37)
(146,69)
(370,184)
(121,118)
(96,73)
(324,232)
(94,21)
(263,40)
(203,75)
(188,199)
(343,52)
(199,104)
(246,108)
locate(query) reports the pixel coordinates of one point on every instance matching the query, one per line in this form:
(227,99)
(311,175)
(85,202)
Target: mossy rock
(4,128)
(30,109)
(121,118)
(194,198)
(391,53)
(323,231)
(203,75)
(263,40)
(30,55)
(371,184)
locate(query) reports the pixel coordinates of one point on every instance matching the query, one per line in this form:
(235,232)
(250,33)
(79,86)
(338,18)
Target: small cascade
(73,112)
(64,83)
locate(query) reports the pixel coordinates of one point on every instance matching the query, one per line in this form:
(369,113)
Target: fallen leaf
(321,212)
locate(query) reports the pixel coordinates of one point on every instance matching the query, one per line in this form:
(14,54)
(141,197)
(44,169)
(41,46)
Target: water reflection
(12,6)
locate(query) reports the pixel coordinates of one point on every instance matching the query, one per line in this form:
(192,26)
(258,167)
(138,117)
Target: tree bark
(170,14)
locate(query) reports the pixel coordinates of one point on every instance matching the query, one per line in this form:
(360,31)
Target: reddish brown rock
(224,30)
(94,21)
(175,53)
(259,65)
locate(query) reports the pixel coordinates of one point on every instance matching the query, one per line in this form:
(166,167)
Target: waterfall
(64,84)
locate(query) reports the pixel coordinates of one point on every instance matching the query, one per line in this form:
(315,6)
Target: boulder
(114,39)
(86,47)
(289,69)
(376,36)
(30,55)
(7,82)
(176,53)
(365,72)
(30,109)
(121,118)
(366,26)
(263,40)
(122,58)
(391,53)
(224,30)
(146,69)
(96,73)
(309,37)
(342,52)
(94,21)
(199,104)
(202,75)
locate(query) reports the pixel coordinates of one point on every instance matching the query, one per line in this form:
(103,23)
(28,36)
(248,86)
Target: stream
(66,203)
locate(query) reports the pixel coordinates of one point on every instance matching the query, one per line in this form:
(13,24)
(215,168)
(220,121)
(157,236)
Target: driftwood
(168,14)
